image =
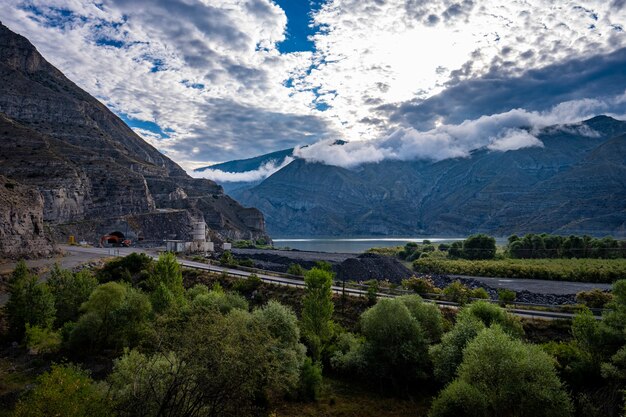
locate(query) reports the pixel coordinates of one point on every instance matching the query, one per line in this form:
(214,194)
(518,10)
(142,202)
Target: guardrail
(361,290)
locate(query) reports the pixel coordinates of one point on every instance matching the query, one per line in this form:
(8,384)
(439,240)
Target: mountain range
(575,183)
(90,172)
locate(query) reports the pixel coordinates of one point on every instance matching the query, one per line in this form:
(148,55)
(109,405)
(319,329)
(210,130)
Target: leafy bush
(420,285)
(395,348)
(42,340)
(115,316)
(457,293)
(479,247)
(472,319)
(506,296)
(296,269)
(372,292)
(128,269)
(249,263)
(30,302)
(248,285)
(70,290)
(595,298)
(66,390)
(519,380)
(227,259)
(310,380)
(428,315)
(479,293)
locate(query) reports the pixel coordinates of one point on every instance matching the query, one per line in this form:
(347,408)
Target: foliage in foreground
(68,391)
(502,376)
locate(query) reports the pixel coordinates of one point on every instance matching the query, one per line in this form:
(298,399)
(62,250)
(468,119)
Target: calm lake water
(353,245)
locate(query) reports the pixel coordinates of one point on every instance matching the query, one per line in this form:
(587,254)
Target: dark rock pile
(372,266)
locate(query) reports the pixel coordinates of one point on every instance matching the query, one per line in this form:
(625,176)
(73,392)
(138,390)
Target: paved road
(537,285)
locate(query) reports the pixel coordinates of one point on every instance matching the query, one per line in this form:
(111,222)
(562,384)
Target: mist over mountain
(573,182)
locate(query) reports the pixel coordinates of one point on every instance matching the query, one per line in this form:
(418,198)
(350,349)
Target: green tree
(317,309)
(70,290)
(395,349)
(427,315)
(479,246)
(30,302)
(471,320)
(502,376)
(210,365)
(282,324)
(115,316)
(167,271)
(66,390)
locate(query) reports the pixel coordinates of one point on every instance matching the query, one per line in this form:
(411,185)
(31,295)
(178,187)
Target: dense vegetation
(554,246)
(196,350)
(584,270)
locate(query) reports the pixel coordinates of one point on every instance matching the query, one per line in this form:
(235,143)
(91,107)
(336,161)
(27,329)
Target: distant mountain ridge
(96,175)
(576,183)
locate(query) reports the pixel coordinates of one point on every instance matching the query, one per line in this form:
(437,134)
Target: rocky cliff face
(574,184)
(21,221)
(90,168)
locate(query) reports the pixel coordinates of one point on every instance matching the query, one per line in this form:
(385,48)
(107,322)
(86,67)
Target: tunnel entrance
(114,239)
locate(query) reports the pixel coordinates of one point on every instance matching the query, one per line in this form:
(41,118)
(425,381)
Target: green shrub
(501,376)
(310,380)
(372,291)
(42,340)
(296,269)
(420,285)
(66,390)
(506,296)
(227,259)
(126,269)
(247,285)
(479,247)
(479,293)
(70,290)
(595,298)
(30,302)
(249,263)
(457,292)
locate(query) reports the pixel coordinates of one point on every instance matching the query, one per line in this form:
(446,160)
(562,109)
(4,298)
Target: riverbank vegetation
(532,256)
(157,341)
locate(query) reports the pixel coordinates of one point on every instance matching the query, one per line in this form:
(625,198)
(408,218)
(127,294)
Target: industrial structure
(198,243)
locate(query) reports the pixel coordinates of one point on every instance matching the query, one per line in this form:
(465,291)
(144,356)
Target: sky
(207,81)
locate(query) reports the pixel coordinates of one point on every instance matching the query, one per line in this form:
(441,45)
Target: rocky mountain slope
(21,221)
(576,183)
(95,175)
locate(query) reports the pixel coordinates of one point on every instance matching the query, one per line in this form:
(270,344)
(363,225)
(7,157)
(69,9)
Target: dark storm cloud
(231,129)
(540,89)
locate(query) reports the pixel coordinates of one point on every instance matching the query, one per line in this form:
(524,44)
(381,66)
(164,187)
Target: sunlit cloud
(206,81)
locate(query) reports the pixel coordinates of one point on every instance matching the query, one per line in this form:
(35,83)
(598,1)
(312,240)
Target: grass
(581,270)
(340,399)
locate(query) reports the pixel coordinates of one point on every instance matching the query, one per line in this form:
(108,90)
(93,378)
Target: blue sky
(214,80)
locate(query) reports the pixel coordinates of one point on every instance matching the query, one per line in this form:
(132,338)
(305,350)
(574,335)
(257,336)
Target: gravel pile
(372,266)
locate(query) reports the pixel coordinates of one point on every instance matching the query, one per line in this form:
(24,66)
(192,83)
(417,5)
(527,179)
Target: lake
(353,245)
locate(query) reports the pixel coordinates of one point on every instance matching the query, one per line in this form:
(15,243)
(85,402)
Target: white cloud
(509,131)
(263,172)
(385,52)
(514,139)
